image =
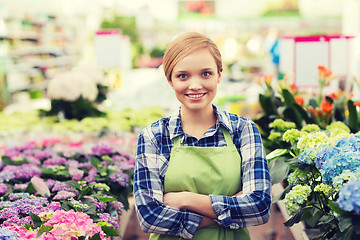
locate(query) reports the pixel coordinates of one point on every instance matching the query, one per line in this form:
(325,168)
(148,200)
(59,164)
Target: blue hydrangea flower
(309,155)
(7,234)
(352,142)
(337,164)
(349,196)
(325,154)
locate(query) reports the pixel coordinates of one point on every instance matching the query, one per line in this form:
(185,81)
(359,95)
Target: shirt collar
(175,127)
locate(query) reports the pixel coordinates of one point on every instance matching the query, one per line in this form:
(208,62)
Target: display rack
(37,49)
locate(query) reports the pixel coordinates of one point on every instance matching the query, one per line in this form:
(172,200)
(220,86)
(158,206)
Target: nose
(195,83)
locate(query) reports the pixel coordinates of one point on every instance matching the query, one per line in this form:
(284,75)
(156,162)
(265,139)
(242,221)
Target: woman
(200,173)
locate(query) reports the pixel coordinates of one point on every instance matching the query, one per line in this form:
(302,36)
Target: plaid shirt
(152,158)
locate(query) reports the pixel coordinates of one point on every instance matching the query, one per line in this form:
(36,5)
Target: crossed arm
(195,202)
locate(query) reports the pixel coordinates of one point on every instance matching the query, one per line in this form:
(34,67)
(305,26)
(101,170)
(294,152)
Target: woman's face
(194,79)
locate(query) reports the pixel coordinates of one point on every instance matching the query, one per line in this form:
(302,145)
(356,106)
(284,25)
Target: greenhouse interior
(83,90)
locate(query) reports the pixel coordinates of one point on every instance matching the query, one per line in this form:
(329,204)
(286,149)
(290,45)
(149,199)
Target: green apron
(205,170)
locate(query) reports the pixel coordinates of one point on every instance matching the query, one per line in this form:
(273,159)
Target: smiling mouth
(200,95)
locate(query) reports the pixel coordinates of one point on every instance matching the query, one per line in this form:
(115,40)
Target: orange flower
(268,78)
(326,106)
(357,104)
(324,72)
(292,86)
(299,100)
(312,110)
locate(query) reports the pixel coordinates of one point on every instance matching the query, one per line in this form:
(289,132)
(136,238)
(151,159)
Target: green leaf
(288,98)
(63,173)
(96,237)
(353,117)
(295,219)
(29,226)
(279,169)
(107,199)
(292,114)
(65,205)
(313,221)
(335,207)
(91,210)
(36,220)
(47,171)
(344,224)
(276,153)
(110,231)
(326,219)
(73,184)
(7,161)
(312,102)
(303,113)
(30,188)
(44,229)
(95,162)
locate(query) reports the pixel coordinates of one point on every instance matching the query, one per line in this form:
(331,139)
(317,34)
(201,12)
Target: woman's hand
(180,200)
(206,222)
(176,199)
(196,202)
(238,194)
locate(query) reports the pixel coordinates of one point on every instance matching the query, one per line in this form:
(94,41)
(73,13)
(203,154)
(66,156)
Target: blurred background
(85,70)
(125,41)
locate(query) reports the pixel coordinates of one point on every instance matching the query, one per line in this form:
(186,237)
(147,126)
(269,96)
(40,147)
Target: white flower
(92,71)
(69,86)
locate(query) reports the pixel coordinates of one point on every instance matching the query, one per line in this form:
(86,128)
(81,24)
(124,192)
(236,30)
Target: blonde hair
(183,45)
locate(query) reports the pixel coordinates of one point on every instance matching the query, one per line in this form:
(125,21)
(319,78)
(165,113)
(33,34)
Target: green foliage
(78,109)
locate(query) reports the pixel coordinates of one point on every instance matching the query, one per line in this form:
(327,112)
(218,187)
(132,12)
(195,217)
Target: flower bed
(39,186)
(322,175)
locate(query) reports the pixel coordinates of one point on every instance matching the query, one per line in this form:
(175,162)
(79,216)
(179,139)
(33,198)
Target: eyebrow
(203,69)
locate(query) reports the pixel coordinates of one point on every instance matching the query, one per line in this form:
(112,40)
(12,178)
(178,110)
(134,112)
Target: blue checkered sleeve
(154,216)
(253,206)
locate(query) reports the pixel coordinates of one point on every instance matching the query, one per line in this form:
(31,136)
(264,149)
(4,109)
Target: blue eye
(182,76)
(206,74)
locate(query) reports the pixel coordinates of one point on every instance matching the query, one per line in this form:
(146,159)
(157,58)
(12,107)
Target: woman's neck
(196,123)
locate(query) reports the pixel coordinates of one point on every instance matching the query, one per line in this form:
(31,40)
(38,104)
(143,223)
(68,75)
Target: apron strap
(226,134)
(177,141)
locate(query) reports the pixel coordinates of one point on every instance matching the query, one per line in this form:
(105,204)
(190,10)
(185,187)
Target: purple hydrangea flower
(106,217)
(349,196)
(3,188)
(58,186)
(25,171)
(17,221)
(63,195)
(120,178)
(91,175)
(15,196)
(6,176)
(101,149)
(49,183)
(6,213)
(119,206)
(76,174)
(21,187)
(44,154)
(54,161)
(99,206)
